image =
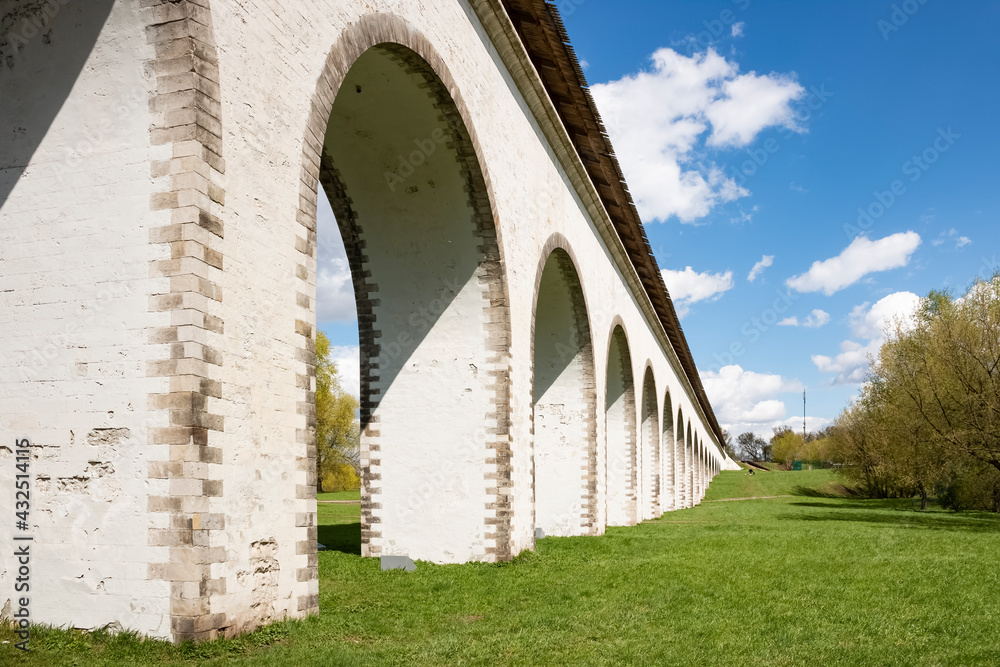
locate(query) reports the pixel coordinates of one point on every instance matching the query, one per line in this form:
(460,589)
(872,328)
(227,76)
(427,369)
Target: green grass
(800,580)
(340,495)
(774,483)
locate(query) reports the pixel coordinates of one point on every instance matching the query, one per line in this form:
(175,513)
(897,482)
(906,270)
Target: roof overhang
(545,45)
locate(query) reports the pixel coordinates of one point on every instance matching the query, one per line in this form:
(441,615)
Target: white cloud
(743,398)
(861,257)
(688,286)
(334,289)
(749,104)
(952,235)
(745,401)
(815,320)
(851,364)
(758,268)
(765,411)
(738,27)
(348,360)
(658,120)
(869,323)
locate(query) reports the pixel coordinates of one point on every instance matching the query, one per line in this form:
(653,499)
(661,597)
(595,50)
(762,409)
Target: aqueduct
(523,371)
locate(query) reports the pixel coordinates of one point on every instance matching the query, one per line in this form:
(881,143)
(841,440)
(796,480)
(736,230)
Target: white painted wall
(74,287)
(71,236)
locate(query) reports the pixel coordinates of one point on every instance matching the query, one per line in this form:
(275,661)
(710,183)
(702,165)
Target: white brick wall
(76,260)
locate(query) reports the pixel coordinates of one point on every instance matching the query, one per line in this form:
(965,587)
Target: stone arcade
(522,365)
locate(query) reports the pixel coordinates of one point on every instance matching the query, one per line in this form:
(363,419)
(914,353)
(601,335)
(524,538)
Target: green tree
(337,428)
(786,445)
(928,419)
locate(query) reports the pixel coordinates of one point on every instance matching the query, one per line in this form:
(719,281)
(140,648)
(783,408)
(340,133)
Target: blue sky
(751,130)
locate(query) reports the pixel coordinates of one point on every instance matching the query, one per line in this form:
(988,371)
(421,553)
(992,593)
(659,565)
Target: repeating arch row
(589,467)
(652,461)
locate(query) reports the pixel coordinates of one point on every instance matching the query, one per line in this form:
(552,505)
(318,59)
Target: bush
(340,477)
(972,490)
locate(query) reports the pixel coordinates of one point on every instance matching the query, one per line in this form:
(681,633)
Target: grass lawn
(340,495)
(803,579)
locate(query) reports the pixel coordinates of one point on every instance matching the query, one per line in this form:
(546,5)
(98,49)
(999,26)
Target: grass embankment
(800,580)
(776,483)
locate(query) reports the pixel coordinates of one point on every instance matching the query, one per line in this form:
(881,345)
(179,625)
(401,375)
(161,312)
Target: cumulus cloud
(348,360)
(743,397)
(851,364)
(749,104)
(688,286)
(758,268)
(747,401)
(334,289)
(737,30)
(661,120)
(869,322)
(815,320)
(861,257)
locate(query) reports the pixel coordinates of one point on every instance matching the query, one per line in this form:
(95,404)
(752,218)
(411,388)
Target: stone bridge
(523,372)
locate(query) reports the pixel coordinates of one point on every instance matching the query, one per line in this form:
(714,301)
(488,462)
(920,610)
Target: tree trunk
(923,495)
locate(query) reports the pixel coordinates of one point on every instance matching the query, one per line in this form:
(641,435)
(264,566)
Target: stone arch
(704,465)
(391,142)
(699,469)
(695,479)
(668,465)
(564,398)
(650,436)
(691,467)
(620,432)
(680,456)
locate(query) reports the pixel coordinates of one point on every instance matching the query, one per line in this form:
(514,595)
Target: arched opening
(650,448)
(668,500)
(680,456)
(695,480)
(700,469)
(691,466)
(620,424)
(564,404)
(400,170)
(703,468)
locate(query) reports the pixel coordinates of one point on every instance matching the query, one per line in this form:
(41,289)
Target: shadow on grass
(343,537)
(889,516)
(830,490)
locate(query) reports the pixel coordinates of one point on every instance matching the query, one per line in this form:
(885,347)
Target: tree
(728,446)
(751,446)
(928,419)
(786,445)
(949,370)
(337,428)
